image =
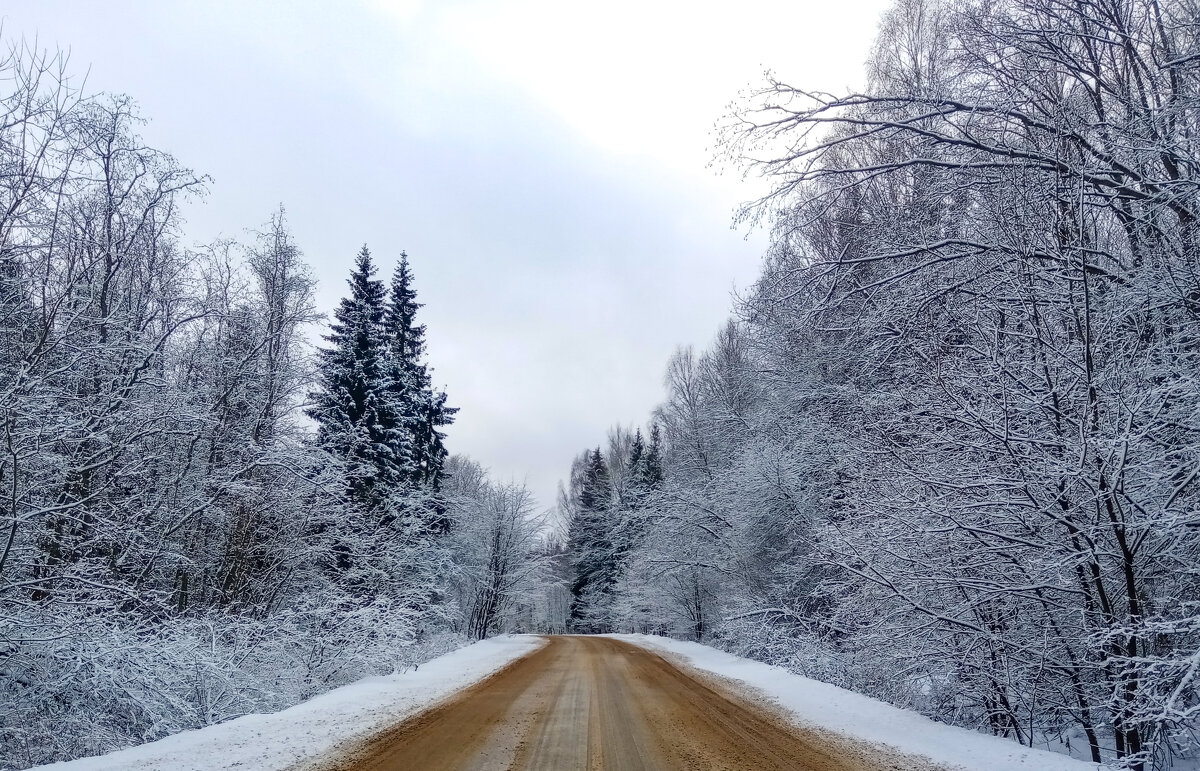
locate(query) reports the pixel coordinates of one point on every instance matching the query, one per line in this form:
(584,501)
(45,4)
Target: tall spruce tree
(596,487)
(637,449)
(591,546)
(648,471)
(638,470)
(358,418)
(423,409)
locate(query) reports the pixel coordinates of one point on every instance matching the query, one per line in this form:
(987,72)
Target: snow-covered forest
(946,451)
(202,515)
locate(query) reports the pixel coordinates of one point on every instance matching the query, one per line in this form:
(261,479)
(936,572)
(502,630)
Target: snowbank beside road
(317,726)
(845,712)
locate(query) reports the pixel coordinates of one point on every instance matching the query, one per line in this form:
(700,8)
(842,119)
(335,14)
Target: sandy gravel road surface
(592,703)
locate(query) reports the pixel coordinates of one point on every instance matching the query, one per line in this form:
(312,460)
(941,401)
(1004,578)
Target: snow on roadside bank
(313,728)
(850,714)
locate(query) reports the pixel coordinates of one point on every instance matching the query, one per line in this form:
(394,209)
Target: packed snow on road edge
(826,706)
(319,725)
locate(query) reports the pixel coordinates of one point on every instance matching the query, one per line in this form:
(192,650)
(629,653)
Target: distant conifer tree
(650,474)
(591,546)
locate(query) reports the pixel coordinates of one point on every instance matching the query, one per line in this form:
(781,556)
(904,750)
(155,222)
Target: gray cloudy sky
(542,162)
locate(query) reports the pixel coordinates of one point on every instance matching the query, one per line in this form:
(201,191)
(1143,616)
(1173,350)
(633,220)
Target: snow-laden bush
(112,681)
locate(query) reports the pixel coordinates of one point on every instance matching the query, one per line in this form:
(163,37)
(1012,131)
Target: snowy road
(599,703)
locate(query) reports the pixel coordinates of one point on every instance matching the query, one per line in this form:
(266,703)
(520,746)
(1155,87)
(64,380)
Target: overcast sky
(544,164)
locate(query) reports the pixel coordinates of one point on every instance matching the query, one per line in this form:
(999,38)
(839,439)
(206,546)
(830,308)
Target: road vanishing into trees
(588,703)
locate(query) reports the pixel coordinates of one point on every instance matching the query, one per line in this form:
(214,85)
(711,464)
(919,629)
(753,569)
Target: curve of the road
(592,703)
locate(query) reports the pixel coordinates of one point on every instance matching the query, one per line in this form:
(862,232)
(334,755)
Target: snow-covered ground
(279,740)
(845,712)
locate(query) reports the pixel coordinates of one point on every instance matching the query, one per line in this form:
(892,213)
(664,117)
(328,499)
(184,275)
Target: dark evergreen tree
(357,417)
(637,452)
(649,471)
(596,489)
(591,546)
(645,466)
(645,477)
(423,409)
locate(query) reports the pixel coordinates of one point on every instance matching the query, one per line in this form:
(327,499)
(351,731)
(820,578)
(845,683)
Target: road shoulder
(858,723)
